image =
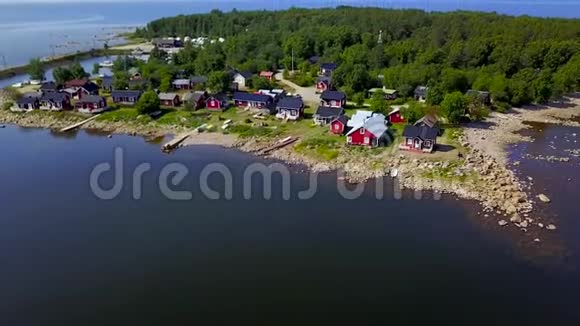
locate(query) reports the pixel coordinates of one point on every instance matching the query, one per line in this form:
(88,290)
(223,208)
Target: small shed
(217,102)
(338,125)
(169,99)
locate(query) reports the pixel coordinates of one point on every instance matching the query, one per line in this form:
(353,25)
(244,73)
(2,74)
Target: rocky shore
(482,173)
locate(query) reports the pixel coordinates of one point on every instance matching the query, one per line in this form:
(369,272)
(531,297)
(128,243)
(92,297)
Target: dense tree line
(519,60)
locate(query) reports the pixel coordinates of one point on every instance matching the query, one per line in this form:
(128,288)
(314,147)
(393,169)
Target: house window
(349,139)
(336,126)
(362,131)
(367,140)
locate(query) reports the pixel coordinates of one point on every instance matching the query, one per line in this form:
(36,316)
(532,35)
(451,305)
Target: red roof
(266,74)
(76,82)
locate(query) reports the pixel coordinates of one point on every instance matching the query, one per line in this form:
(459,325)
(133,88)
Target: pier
(175,142)
(78,124)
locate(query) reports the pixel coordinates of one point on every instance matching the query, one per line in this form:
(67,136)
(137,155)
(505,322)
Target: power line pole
(292,60)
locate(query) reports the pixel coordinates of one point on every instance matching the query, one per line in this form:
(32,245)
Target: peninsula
(431,98)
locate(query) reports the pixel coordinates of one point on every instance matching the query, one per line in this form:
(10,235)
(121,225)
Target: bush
(148,103)
(7,105)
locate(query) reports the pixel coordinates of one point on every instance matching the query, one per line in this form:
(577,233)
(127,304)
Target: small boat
(35,82)
(106,64)
(17,85)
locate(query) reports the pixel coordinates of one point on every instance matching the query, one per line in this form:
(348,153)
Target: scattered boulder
(544,198)
(540,225)
(551,227)
(502,223)
(524,224)
(537,240)
(516,219)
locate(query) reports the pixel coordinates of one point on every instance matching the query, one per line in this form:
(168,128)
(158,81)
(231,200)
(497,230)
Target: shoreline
(483,174)
(60,60)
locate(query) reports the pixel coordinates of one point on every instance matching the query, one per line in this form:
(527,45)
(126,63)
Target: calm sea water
(71,259)
(39,30)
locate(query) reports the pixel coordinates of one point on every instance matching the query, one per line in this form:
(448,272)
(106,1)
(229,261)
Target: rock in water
(502,223)
(516,219)
(551,227)
(544,198)
(2,126)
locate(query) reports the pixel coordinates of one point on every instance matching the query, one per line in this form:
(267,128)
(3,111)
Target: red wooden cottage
(78,88)
(323,83)
(195,99)
(169,99)
(91,104)
(252,100)
(333,99)
(395,115)
(371,133)
(338,125)
(269,75)
(182,84)
(217,102)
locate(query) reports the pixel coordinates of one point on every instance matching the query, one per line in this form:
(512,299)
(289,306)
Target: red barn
(218,102)
(338,125)
(372,133)
(395,116)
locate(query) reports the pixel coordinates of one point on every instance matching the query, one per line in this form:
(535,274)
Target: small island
(430,98)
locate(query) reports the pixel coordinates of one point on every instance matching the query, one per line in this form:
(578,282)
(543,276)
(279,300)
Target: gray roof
(91,99)
(27,100)
(324,79)
(125,93)
(193,96)
(421,91)
(328,66)
(220,97)
(32,94)
(333,96)
(343,119)
(290,102)
(54,97)
(182,82)
(248,97)
(167,96)
(328,112)
(198,79)
(359,118)
(245,74)
(422,132)
(376,125)
(429,120)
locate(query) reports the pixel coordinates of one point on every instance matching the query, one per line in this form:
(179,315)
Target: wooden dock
(76,125)
(175,142)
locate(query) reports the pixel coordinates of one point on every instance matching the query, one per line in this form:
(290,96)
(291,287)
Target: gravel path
(308,93)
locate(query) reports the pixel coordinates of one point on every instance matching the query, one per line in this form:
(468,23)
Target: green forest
(520,60)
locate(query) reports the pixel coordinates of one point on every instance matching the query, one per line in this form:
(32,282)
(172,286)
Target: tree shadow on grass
(444,148)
